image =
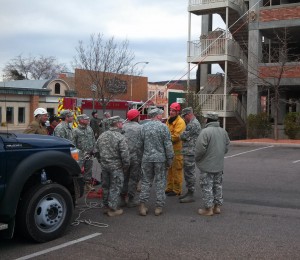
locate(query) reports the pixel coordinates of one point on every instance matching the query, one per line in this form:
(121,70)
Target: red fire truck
(114,107)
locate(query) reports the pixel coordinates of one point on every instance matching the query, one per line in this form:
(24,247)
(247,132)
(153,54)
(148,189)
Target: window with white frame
(21,115)
(10,115)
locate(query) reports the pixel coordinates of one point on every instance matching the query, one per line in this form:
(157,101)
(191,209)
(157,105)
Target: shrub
(292,124)
(258,126)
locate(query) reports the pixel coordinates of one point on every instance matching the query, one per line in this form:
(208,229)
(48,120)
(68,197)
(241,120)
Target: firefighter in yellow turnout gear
(176,126)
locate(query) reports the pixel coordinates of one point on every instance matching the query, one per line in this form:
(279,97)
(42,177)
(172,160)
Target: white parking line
(249,151)
(58,247)
(296,161)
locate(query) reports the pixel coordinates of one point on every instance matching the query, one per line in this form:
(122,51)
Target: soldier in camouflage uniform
(158,156)
(114,160)
(63,129)
(105,122)
(189,137)
(211,146)
(132,132)
(84,140)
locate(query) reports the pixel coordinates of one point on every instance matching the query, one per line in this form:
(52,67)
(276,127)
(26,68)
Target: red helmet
(175,106)
(132,113)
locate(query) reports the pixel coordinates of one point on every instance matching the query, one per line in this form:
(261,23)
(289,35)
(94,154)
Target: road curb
(239,143)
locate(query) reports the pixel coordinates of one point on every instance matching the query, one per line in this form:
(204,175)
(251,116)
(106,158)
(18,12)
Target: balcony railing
(215,102)
(239,3)
(197,50)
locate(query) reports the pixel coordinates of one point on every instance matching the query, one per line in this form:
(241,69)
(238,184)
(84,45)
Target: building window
(10,115)
(57,88)
(21,115)
(151,94)
(50,111)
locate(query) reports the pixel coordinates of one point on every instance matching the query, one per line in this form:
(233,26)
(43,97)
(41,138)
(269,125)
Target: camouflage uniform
(84,140)
(114,160)
(132,132)
(36,127)
(211,146)
(157,154)
(104,125)
(189,137)
(63,130)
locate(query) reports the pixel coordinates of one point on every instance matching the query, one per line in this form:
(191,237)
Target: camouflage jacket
(84,140)
(113,150)
(104,125)
(157,143)
(63,130)
(189,137)
(132,132)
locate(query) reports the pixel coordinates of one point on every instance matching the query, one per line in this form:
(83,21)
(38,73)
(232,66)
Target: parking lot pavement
(259,219)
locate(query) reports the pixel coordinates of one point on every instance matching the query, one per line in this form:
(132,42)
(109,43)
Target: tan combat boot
(206,212)
(217,209)
(116,212)
(158,211)
(143,210)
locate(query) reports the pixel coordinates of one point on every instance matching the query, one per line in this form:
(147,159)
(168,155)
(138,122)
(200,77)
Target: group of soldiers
(129,153)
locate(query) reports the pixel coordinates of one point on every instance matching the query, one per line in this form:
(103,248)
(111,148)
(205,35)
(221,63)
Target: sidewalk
(267,141)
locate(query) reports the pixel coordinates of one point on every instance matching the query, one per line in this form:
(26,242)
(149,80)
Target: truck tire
(45,212)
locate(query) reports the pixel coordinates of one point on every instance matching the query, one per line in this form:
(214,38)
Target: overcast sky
(157,30)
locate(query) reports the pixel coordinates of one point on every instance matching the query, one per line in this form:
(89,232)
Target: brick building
(259,46)
(135,87)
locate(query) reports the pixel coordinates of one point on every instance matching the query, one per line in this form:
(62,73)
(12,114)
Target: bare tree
(280,55)
(104,62)
(32,68)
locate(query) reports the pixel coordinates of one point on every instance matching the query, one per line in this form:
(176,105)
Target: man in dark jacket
(211,146)
(53,121)
(95,124)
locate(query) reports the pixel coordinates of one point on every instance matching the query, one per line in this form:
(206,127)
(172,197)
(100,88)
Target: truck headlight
(75,154)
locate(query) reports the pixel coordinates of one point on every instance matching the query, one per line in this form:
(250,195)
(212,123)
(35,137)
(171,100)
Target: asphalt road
(260,219)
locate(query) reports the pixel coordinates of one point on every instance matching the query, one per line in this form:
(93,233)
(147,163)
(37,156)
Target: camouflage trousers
(131,179)
(88,167)
(189,171)
(112,183)
(153,171)
(211,185)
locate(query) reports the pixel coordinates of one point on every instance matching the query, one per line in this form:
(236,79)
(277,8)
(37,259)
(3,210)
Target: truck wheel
(45,212)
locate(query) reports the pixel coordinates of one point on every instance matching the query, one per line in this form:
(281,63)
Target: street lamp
(146,62)
(93,89)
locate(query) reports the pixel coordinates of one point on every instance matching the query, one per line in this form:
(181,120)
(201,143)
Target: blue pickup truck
(40,181)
